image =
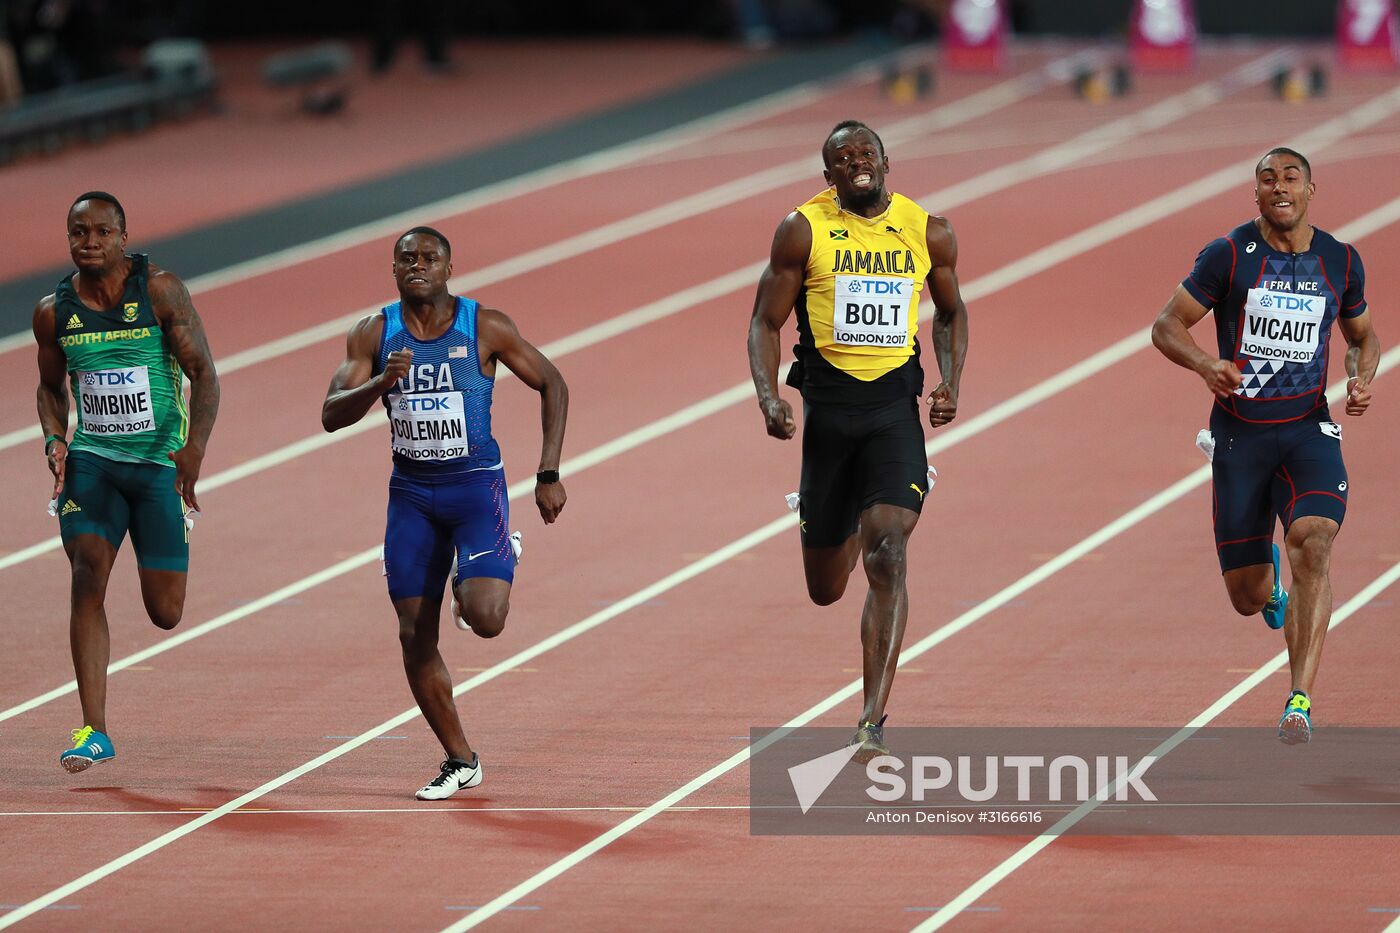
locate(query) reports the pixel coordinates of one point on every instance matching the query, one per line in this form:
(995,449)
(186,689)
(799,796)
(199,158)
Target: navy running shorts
(1267,471)
(430,519)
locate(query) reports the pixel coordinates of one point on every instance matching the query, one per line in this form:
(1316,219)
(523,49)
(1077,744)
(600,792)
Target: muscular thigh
(159,535)
(892,465)
(476,509)
(417,547)
(1312,479)
(1243,475)
(92,501)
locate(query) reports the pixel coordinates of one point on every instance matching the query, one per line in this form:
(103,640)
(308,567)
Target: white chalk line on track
(959,111)
(948,436)
(977,889)
(1049,160)
(1364,115)
(1009,593)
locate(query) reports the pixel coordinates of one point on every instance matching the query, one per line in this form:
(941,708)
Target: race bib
(428,425)
(872,311)
(1282,326)
(116,401)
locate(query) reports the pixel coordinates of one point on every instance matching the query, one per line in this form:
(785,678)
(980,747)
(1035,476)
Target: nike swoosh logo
(480,554)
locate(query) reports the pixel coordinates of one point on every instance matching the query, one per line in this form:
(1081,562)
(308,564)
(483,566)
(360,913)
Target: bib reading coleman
(1274,312)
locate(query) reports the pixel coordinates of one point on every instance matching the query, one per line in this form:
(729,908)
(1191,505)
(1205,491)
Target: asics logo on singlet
(1250,248)
(113,378)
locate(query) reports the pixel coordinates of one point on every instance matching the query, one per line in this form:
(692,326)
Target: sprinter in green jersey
(120,333)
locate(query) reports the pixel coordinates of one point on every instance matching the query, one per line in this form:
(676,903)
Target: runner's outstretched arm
(503,341)
(170,301)
(949,321)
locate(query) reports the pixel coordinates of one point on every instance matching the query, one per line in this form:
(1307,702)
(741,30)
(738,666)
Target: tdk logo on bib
(111,377)
(426,403)
(1283,327)
(871,311)
(898,288)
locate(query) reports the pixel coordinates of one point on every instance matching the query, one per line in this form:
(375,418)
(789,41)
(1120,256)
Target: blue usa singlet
(440,413)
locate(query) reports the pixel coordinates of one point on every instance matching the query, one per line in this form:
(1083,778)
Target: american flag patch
(457,353)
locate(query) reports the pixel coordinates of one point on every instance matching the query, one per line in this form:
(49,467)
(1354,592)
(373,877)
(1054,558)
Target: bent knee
(166,616)
(886,560)
(488,622)
(1310,553)
(824,594)
(1247,604)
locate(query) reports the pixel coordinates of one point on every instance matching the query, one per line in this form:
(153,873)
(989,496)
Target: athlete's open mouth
(417,280)
(862,180)
(1283,203)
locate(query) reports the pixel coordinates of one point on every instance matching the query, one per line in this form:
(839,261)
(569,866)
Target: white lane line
(1279,661)
(959,111)
(600,454)
(1049,160)
(1009,593)
(1127,222)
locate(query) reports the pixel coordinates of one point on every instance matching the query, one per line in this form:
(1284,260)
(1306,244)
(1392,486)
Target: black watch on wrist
(547,476)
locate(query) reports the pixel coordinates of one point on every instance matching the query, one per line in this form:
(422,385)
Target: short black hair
(429,231)
(850,125)
(1285,151)
(101,196)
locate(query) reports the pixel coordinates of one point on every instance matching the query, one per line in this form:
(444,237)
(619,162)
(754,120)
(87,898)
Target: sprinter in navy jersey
(431,358)
(1276,285)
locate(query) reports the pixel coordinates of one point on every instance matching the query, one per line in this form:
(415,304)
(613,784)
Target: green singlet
(125,378)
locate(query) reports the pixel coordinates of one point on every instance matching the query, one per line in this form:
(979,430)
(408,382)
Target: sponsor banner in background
(1366,34)
(1162,36)
(974,35)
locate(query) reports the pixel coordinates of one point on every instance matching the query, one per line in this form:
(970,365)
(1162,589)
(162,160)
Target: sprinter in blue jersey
(1276,285)
(430,358)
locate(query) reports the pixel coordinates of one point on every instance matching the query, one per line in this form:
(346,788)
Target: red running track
(1138,632)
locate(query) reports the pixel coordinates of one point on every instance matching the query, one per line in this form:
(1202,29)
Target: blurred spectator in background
(57,42)
(428,18)
(10,88)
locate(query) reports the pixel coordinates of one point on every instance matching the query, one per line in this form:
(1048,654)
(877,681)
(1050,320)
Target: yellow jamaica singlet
(858,311)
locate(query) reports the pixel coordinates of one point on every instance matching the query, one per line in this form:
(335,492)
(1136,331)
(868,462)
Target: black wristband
(547,476)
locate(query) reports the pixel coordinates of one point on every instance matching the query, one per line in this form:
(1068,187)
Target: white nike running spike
(452,776)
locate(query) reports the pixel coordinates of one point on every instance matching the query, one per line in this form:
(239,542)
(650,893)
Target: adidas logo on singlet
(74,323)
(70,507)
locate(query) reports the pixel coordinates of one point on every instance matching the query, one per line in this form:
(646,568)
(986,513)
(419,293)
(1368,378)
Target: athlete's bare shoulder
(792,242)
(942,242)
(45,310)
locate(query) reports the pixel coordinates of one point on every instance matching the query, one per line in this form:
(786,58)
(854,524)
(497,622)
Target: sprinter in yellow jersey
(853,262)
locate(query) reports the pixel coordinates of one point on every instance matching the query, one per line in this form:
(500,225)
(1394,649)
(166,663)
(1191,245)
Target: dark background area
(267,18)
